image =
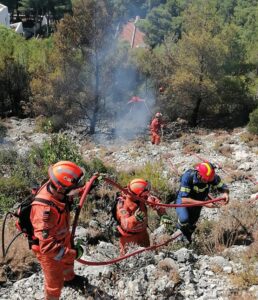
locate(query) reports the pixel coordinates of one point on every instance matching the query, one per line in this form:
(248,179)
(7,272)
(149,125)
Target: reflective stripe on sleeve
(185,189)
(198,190)
(219,185)
(60,254)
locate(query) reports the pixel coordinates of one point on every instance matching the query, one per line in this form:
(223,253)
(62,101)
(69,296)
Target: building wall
(4,16)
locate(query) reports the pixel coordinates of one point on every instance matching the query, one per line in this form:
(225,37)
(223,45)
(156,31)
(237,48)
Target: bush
(97,165)
(50,124)
(154,174)
(22,173)
(8,157)
(11,189)
(253,123)
(234,227)
(60,147)
(6,203)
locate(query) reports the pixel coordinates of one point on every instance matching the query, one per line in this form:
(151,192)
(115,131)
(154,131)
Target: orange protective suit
(155,129)
(54,252)
(131,230)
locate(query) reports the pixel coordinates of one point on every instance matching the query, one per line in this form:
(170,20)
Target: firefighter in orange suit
(132,216)
(51,225)
(156,128)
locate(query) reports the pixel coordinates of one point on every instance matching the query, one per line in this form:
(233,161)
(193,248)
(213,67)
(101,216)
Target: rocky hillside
(175,271)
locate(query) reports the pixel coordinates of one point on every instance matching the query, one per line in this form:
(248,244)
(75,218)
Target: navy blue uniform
(192,187)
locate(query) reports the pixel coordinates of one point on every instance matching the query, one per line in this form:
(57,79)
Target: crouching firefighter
(195,186)
(51,224)
(132,217)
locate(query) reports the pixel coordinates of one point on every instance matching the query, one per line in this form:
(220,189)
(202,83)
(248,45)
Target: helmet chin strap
(58,193)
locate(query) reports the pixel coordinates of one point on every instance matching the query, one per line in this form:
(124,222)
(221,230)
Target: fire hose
(118,259)
(86,191)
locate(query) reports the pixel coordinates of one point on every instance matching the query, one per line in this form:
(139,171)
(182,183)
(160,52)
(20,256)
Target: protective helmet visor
(81,180)
(147,188)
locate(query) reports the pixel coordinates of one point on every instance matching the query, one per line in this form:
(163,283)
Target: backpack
(22,213)
(113,207)
(113,222)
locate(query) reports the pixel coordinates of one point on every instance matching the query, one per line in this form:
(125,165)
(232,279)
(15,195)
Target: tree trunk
(93,121)
(195,114)
(194,117)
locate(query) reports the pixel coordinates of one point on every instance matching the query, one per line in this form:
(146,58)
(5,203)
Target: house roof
(133,35)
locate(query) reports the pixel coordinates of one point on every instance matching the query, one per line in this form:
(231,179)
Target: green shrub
(151,172)
(22,173)
(8,157)
(6,203)
(11,189)
(97,165)
(43,124)
(60,147)
(253,123)
(50,124)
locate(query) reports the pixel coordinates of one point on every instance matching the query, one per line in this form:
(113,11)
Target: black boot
(78,283)
(187,231)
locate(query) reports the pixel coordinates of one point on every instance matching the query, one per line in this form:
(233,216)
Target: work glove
(116,232)
(226,196)
(139,215)
(167,222)
(79,249)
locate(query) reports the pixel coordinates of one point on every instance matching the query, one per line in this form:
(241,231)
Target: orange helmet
(66,175)
(158,115)
(138,186)
(206,171)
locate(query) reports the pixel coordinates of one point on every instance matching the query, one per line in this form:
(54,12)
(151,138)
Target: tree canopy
(202,53)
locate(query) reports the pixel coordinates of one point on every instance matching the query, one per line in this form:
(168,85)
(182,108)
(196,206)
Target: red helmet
(66,175)
(206,171)
(138,186)
(158,115)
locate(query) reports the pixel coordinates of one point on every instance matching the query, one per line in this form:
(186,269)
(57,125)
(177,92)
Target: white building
(18,28)
(5,20)
(4,16)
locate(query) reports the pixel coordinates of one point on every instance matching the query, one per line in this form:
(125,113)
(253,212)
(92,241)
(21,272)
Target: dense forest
(200,62)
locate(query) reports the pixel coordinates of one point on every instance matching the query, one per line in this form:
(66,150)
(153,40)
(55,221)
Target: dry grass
(229,165)
(192,147)
(20,261)
(235,226)
(236,175)
(244,279)
(168,266)
(242,295)
(86,212)
(220,142)
(225,150)
(248,276)
(250,139)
